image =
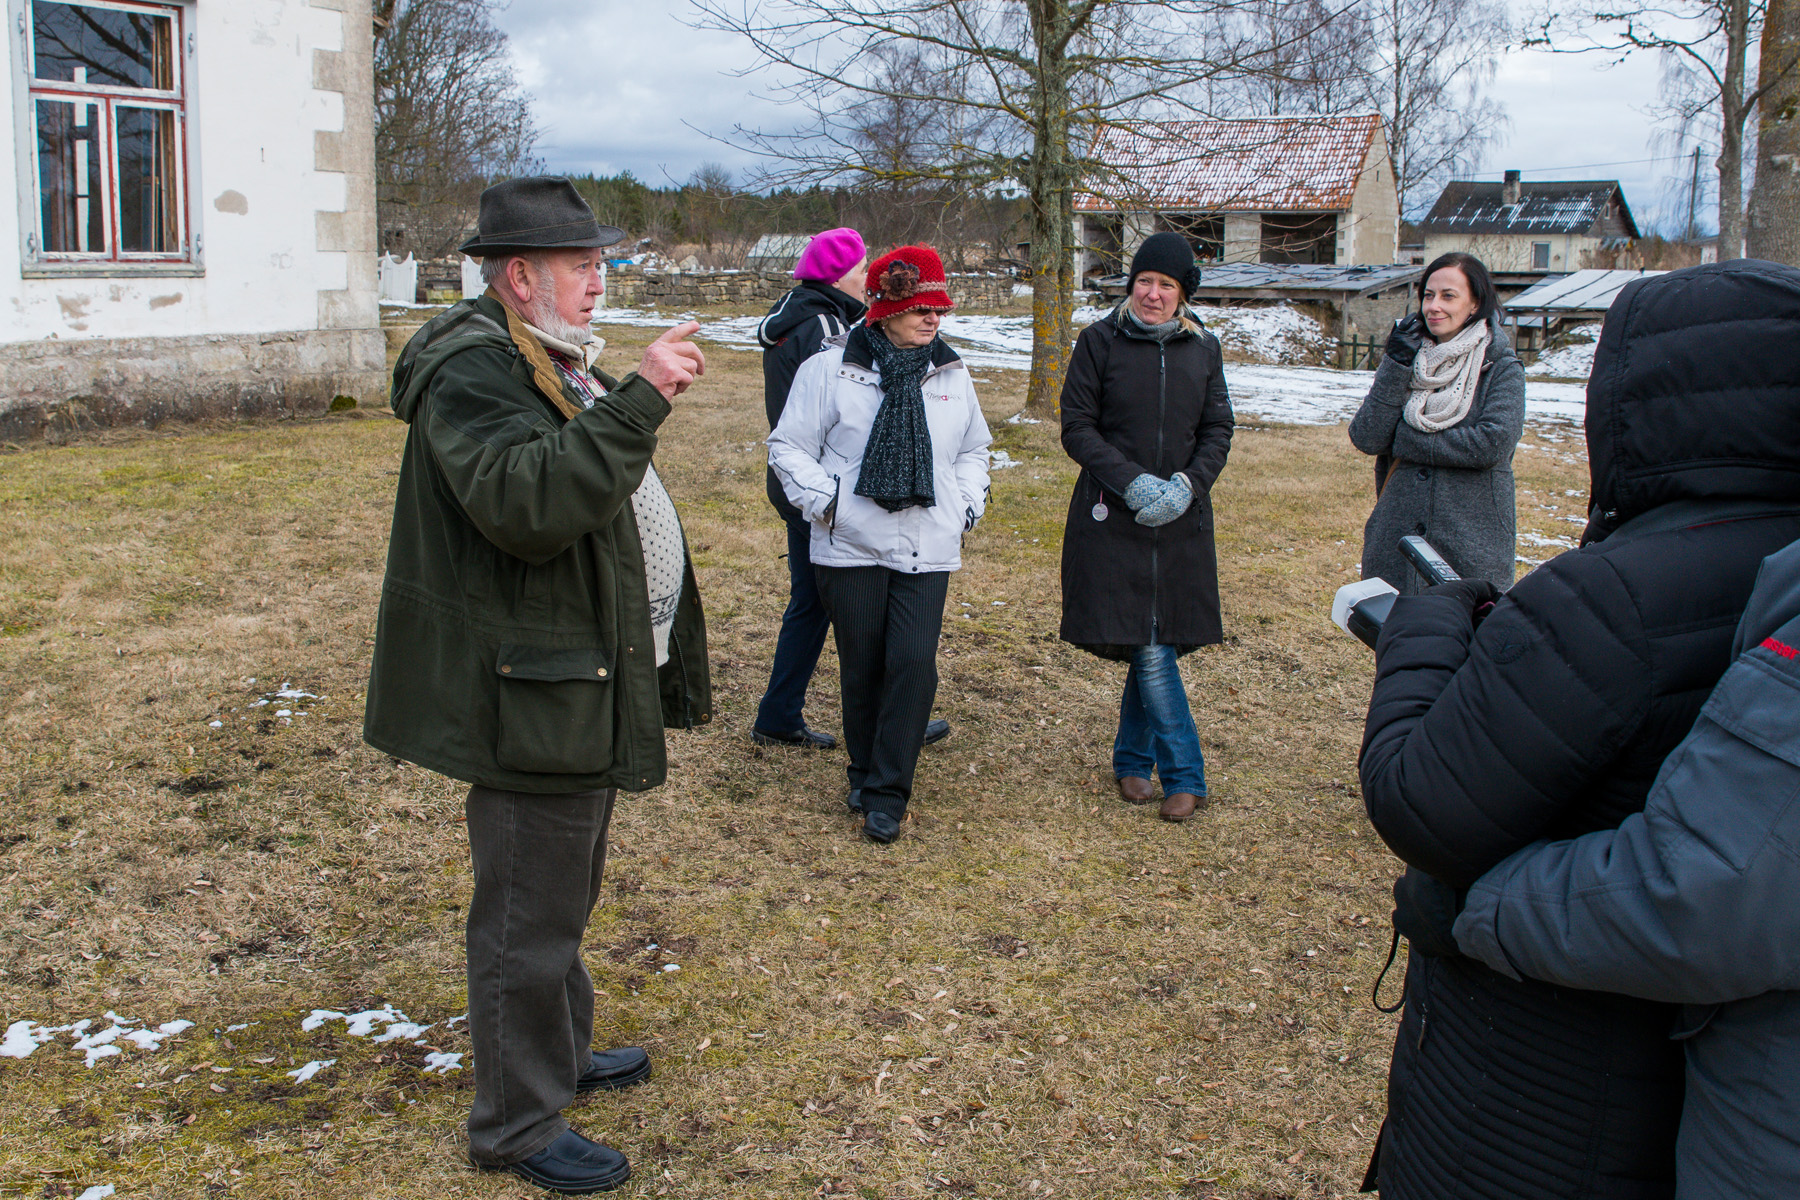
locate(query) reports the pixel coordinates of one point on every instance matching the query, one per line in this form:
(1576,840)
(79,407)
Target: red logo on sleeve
(1780,648)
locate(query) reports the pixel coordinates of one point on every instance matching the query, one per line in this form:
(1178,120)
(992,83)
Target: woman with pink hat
(883,449)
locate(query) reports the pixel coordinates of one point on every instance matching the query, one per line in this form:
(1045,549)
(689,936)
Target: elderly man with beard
(539,628)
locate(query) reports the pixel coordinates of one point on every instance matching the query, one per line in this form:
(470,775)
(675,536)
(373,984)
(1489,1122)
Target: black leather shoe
(806,739)
(572,1166)
(936,731)
(614,1069)
(880,827)
(853,801)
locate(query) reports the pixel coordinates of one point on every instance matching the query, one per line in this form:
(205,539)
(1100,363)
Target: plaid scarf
(896,463)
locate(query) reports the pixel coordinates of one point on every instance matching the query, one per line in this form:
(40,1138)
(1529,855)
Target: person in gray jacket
(1693,901)
(1442,418)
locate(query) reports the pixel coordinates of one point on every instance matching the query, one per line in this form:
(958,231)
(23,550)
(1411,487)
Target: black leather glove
(1477,595)
(1404,342)
(1425,912)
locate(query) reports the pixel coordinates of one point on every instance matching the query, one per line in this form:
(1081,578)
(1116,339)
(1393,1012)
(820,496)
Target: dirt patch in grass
(1038,990)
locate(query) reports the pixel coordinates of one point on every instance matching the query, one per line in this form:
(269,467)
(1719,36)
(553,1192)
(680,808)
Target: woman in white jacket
(883,448)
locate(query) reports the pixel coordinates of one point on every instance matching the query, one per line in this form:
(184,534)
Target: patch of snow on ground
(24,1037)
(362,1024)
(312,1068)
(1574,361)
(1002,460)
(1297,394)
(442,1063)
(100,1191)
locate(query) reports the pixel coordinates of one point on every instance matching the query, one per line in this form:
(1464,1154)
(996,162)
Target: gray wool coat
(1453,487)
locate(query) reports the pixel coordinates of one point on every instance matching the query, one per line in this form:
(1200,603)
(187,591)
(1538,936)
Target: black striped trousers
(887,625)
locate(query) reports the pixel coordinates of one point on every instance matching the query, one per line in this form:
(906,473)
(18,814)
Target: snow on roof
(1590,291)
(1249,164)
(1471,206)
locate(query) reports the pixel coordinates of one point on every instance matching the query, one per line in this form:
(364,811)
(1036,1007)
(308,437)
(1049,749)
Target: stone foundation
(633,287)
(54,389)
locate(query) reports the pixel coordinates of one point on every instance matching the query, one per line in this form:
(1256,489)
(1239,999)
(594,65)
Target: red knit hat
(906,280)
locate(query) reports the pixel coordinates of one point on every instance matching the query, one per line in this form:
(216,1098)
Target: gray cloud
(623,85)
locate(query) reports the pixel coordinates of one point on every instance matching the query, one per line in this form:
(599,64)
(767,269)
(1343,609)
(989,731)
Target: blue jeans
(803,629)
(1156,727)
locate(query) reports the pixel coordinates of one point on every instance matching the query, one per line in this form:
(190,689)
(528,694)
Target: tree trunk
(1774,221)
(1733,113)
(1051,185)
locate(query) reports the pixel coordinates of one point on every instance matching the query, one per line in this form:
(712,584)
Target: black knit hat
(1167,254)
(539,212)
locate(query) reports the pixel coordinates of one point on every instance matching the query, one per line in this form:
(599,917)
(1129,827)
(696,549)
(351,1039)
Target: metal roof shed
(1578,297)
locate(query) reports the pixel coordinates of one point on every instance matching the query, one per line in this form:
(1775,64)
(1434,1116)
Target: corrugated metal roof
(1251,164)
(1307,277)
(1590,291)
(1474,207)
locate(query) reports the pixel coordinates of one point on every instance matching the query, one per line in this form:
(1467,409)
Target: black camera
(1360,608)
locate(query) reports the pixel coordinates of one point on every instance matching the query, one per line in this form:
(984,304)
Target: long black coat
(1131,406)
(1552,719)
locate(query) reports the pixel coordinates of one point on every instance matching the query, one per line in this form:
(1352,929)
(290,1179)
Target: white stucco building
(194,232)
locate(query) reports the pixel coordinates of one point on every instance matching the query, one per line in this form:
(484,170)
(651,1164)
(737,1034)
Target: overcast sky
(625,85)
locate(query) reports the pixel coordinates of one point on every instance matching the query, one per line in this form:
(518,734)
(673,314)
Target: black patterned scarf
(896,466)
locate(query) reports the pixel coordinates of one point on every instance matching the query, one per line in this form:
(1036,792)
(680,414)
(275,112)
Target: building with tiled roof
(1525,227)
(1311,190)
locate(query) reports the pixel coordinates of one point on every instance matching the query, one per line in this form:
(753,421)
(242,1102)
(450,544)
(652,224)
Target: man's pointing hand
(671,363)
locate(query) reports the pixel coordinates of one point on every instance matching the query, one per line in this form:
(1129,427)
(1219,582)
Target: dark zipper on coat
(1162,416)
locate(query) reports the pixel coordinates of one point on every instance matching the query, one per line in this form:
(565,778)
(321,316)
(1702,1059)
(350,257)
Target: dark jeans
(537,862)
(887,626)
(802,636)
(1156,727)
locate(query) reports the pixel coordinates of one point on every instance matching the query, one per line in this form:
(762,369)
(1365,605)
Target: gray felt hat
(539,212)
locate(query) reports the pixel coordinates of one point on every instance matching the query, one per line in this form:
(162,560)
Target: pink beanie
(830,256)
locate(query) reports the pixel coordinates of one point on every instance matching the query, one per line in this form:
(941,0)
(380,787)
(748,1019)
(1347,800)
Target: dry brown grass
(1037,991)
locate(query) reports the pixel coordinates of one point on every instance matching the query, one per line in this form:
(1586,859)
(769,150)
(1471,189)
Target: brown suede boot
(1179,806)
(1134,790)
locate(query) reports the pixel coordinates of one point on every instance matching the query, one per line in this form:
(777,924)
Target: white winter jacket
(816,453)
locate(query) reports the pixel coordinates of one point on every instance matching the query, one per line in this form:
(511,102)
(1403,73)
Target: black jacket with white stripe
(793,332)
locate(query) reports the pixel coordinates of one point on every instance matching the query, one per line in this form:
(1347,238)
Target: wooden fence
(1359,354)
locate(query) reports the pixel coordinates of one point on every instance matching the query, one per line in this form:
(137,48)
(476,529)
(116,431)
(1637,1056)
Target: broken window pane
(79,43)
(69,178)
(147,181)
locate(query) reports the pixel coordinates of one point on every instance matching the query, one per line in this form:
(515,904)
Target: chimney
(1509,190)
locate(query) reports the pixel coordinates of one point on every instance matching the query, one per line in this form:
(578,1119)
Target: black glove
(1404,342)
(1476,595)
(1424,913)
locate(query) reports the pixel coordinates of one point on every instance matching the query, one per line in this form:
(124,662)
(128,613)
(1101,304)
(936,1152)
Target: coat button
(601,672)
(506,670)
(915,554)
(1419,529)
(1424,474)
(631,649)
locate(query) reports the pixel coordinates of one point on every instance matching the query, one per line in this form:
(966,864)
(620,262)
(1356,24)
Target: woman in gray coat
(1442,419)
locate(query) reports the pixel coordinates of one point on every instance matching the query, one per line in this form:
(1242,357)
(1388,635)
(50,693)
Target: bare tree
(1706,44)
(1005,90)
(1318,58)
(449,116)
(1773,230)
(1430,62)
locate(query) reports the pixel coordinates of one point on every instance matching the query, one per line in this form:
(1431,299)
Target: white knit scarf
(659,529)
(1445,375)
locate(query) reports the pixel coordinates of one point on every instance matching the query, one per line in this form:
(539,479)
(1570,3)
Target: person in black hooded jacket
(827,302)
(1551,717)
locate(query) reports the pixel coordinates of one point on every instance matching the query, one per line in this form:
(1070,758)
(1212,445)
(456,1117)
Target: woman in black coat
(1551,719)
(1146,415)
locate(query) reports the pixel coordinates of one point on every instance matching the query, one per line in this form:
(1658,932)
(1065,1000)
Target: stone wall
(57,389)
(633,287)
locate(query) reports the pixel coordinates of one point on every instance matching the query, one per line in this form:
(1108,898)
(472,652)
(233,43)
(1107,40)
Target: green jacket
(513,647)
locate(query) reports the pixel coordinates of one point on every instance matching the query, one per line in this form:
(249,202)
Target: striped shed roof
(1247,164)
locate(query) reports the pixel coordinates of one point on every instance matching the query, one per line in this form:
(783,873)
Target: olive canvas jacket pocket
(555,710)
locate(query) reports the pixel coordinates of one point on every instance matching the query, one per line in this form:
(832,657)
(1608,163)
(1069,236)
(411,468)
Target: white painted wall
(254,197)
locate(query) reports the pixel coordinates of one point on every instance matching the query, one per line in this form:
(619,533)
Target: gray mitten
(1142,490)
(1177,495)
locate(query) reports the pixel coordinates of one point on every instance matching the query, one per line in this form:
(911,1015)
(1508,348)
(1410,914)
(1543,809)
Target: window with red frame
(108,104)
